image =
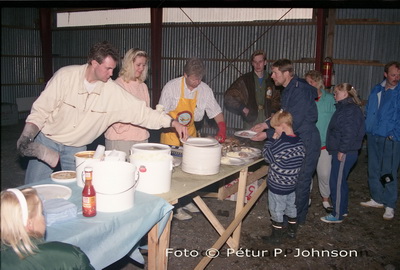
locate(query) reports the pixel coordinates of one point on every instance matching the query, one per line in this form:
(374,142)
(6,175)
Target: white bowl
(63,176)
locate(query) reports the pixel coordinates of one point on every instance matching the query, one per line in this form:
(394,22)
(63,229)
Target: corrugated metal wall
(224,47)
(21,63)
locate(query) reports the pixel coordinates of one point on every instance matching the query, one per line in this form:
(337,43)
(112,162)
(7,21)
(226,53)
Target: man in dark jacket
(253,95)
(298,98)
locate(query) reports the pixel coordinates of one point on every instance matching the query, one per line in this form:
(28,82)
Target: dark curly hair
(102,50)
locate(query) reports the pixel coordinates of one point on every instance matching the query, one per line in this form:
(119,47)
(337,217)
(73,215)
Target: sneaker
(326,204)
(389,213)
(182,215)
(372,203)
(331,219)
(191,208)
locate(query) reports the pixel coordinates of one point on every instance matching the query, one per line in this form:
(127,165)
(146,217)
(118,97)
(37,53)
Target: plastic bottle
(89,195)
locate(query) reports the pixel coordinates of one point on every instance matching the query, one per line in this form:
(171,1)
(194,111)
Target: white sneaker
(326,204)
(389,213)
(191,208)
(372,203)
(182,215)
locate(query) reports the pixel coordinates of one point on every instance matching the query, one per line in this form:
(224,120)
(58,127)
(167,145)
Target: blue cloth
(38,170)
(285,156)
(298,98)
(383,112)
(58,210)
(108,237)
(388,155)
(338,183)
(346,129)
(280,205)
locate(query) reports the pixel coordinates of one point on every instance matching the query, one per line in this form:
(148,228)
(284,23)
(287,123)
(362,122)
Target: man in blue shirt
(383,140)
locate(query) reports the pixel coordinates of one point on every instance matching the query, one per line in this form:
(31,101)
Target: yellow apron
(184,114)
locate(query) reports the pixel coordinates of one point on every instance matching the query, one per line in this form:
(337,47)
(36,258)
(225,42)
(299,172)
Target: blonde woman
(22,230)
(326,107)
(346,131)
(132,76)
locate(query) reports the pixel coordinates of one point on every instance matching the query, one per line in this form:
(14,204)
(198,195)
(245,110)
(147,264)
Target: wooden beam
(46,39)
(156,44)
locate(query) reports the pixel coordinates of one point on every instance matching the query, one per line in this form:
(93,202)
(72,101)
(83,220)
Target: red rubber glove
(221,135)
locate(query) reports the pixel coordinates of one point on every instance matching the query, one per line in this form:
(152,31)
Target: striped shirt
(285,157)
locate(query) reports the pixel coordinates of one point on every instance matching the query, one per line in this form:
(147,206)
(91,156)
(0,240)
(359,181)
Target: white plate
(63,176)
(251,150)
(51,191)
(232,161)
(201,141)
(245,134)
(241,155)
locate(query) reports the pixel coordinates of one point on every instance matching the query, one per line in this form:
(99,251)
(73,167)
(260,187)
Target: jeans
(338,183)
(280,205)
(380,154)
(38,170)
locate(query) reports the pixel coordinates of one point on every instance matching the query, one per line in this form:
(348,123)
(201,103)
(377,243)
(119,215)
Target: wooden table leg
(213,220)
(240,204)
(238,219)
(157,258)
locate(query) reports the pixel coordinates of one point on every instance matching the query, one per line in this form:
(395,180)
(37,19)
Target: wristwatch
(172,120)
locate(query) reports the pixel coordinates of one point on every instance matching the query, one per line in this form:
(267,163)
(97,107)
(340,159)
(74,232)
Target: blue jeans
(38,170)
(338,183)
(378,151)
(280,205)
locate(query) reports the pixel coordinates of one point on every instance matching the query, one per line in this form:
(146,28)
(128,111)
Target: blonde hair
(316,76)
(281,117)
(128,69)
(351,91)
(13,231)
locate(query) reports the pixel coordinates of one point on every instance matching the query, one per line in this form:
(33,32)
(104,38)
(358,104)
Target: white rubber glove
(27,147)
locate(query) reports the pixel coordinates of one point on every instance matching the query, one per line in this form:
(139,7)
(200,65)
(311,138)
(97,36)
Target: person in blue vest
(383,141)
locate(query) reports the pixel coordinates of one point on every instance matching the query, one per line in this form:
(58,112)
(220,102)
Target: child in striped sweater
(285,154)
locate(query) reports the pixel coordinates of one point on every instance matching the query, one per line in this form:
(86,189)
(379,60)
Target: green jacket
(326,108)
(51,255)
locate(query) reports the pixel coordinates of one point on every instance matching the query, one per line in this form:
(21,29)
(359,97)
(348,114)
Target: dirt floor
(363,241)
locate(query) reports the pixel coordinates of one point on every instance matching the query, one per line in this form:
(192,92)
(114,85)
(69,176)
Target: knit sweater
(285,156)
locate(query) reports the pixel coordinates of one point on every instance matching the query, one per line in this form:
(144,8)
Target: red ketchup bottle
(89,195)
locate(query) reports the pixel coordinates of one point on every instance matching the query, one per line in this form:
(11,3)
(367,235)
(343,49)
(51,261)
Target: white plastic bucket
(150,147)
(84,159)
(155,171)
(115,183)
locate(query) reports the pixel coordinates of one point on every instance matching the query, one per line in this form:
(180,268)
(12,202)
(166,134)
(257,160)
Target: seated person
(22,230)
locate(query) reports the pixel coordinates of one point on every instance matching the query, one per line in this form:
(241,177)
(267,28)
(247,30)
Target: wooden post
(156,43)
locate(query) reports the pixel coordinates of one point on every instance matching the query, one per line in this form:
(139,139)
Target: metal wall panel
(382,15)
(225,49)
(20,17)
